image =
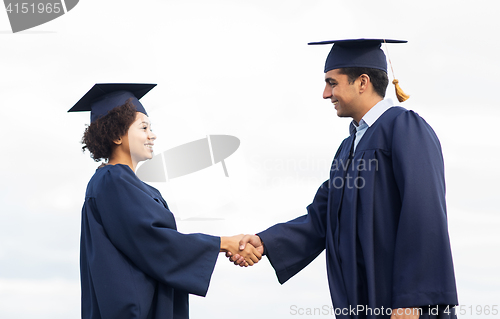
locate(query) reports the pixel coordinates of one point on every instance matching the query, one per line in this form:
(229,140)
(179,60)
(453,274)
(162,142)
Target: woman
(133,261)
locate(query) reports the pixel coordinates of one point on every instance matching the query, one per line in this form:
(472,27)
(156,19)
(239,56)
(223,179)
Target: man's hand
(405,313)
(254,241)
(247,256)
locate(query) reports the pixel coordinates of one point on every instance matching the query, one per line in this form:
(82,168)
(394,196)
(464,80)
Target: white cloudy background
(239,68)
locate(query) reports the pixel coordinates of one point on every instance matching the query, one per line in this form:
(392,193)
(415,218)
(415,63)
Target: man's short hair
(378,78)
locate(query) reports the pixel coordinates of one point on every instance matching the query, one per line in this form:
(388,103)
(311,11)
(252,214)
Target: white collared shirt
(368,119)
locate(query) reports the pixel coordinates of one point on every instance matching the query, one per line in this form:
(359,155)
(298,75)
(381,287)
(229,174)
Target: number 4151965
(32,8)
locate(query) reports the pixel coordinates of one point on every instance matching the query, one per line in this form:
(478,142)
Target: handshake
(243,250)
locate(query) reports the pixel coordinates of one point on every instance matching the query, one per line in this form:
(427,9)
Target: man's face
(342,93)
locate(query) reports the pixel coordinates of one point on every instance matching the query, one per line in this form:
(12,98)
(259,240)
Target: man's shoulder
(392,113)
(395,123)
(398,114)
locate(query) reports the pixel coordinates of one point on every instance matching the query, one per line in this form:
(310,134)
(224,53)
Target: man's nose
(327,93)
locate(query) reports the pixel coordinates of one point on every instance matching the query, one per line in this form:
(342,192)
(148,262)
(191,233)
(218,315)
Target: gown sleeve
(291,246)
(423,268)
(142,228)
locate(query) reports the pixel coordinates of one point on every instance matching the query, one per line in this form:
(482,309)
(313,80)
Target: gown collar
(372,115)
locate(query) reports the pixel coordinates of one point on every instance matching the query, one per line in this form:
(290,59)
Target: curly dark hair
(378,78)
(99,136)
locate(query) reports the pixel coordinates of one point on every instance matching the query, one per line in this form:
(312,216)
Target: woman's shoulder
(107,175)
(115,173)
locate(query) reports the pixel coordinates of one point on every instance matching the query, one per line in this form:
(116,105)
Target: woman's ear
(118,141)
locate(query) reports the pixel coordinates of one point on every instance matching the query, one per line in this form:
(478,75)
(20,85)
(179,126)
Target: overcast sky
(238,68)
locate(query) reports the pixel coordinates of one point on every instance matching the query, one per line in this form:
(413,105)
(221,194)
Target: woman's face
(141,138)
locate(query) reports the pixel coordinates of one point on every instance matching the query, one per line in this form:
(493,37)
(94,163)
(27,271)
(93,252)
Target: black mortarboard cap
(103,97)
(365,53)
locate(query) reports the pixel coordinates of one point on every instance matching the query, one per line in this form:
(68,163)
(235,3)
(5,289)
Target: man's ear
(364,80)
(118,141)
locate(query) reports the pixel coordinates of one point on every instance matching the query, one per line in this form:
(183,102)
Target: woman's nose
(152,136)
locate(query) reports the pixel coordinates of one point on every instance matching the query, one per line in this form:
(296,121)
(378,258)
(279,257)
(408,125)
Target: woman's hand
(253,240)
(249,254)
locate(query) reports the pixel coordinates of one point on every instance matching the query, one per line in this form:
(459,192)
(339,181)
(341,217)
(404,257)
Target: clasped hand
(245,255)
(245,242)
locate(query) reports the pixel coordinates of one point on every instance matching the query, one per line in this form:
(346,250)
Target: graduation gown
(382,219)
(133,261)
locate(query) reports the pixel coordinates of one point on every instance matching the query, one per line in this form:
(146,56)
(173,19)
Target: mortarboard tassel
(402,96)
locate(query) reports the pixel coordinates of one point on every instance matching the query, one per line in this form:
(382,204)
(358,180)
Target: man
(382,214)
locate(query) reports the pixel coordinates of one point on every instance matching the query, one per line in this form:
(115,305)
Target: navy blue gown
(382,219)
(133,261)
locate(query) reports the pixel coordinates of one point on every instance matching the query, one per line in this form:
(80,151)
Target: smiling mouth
(150,146)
